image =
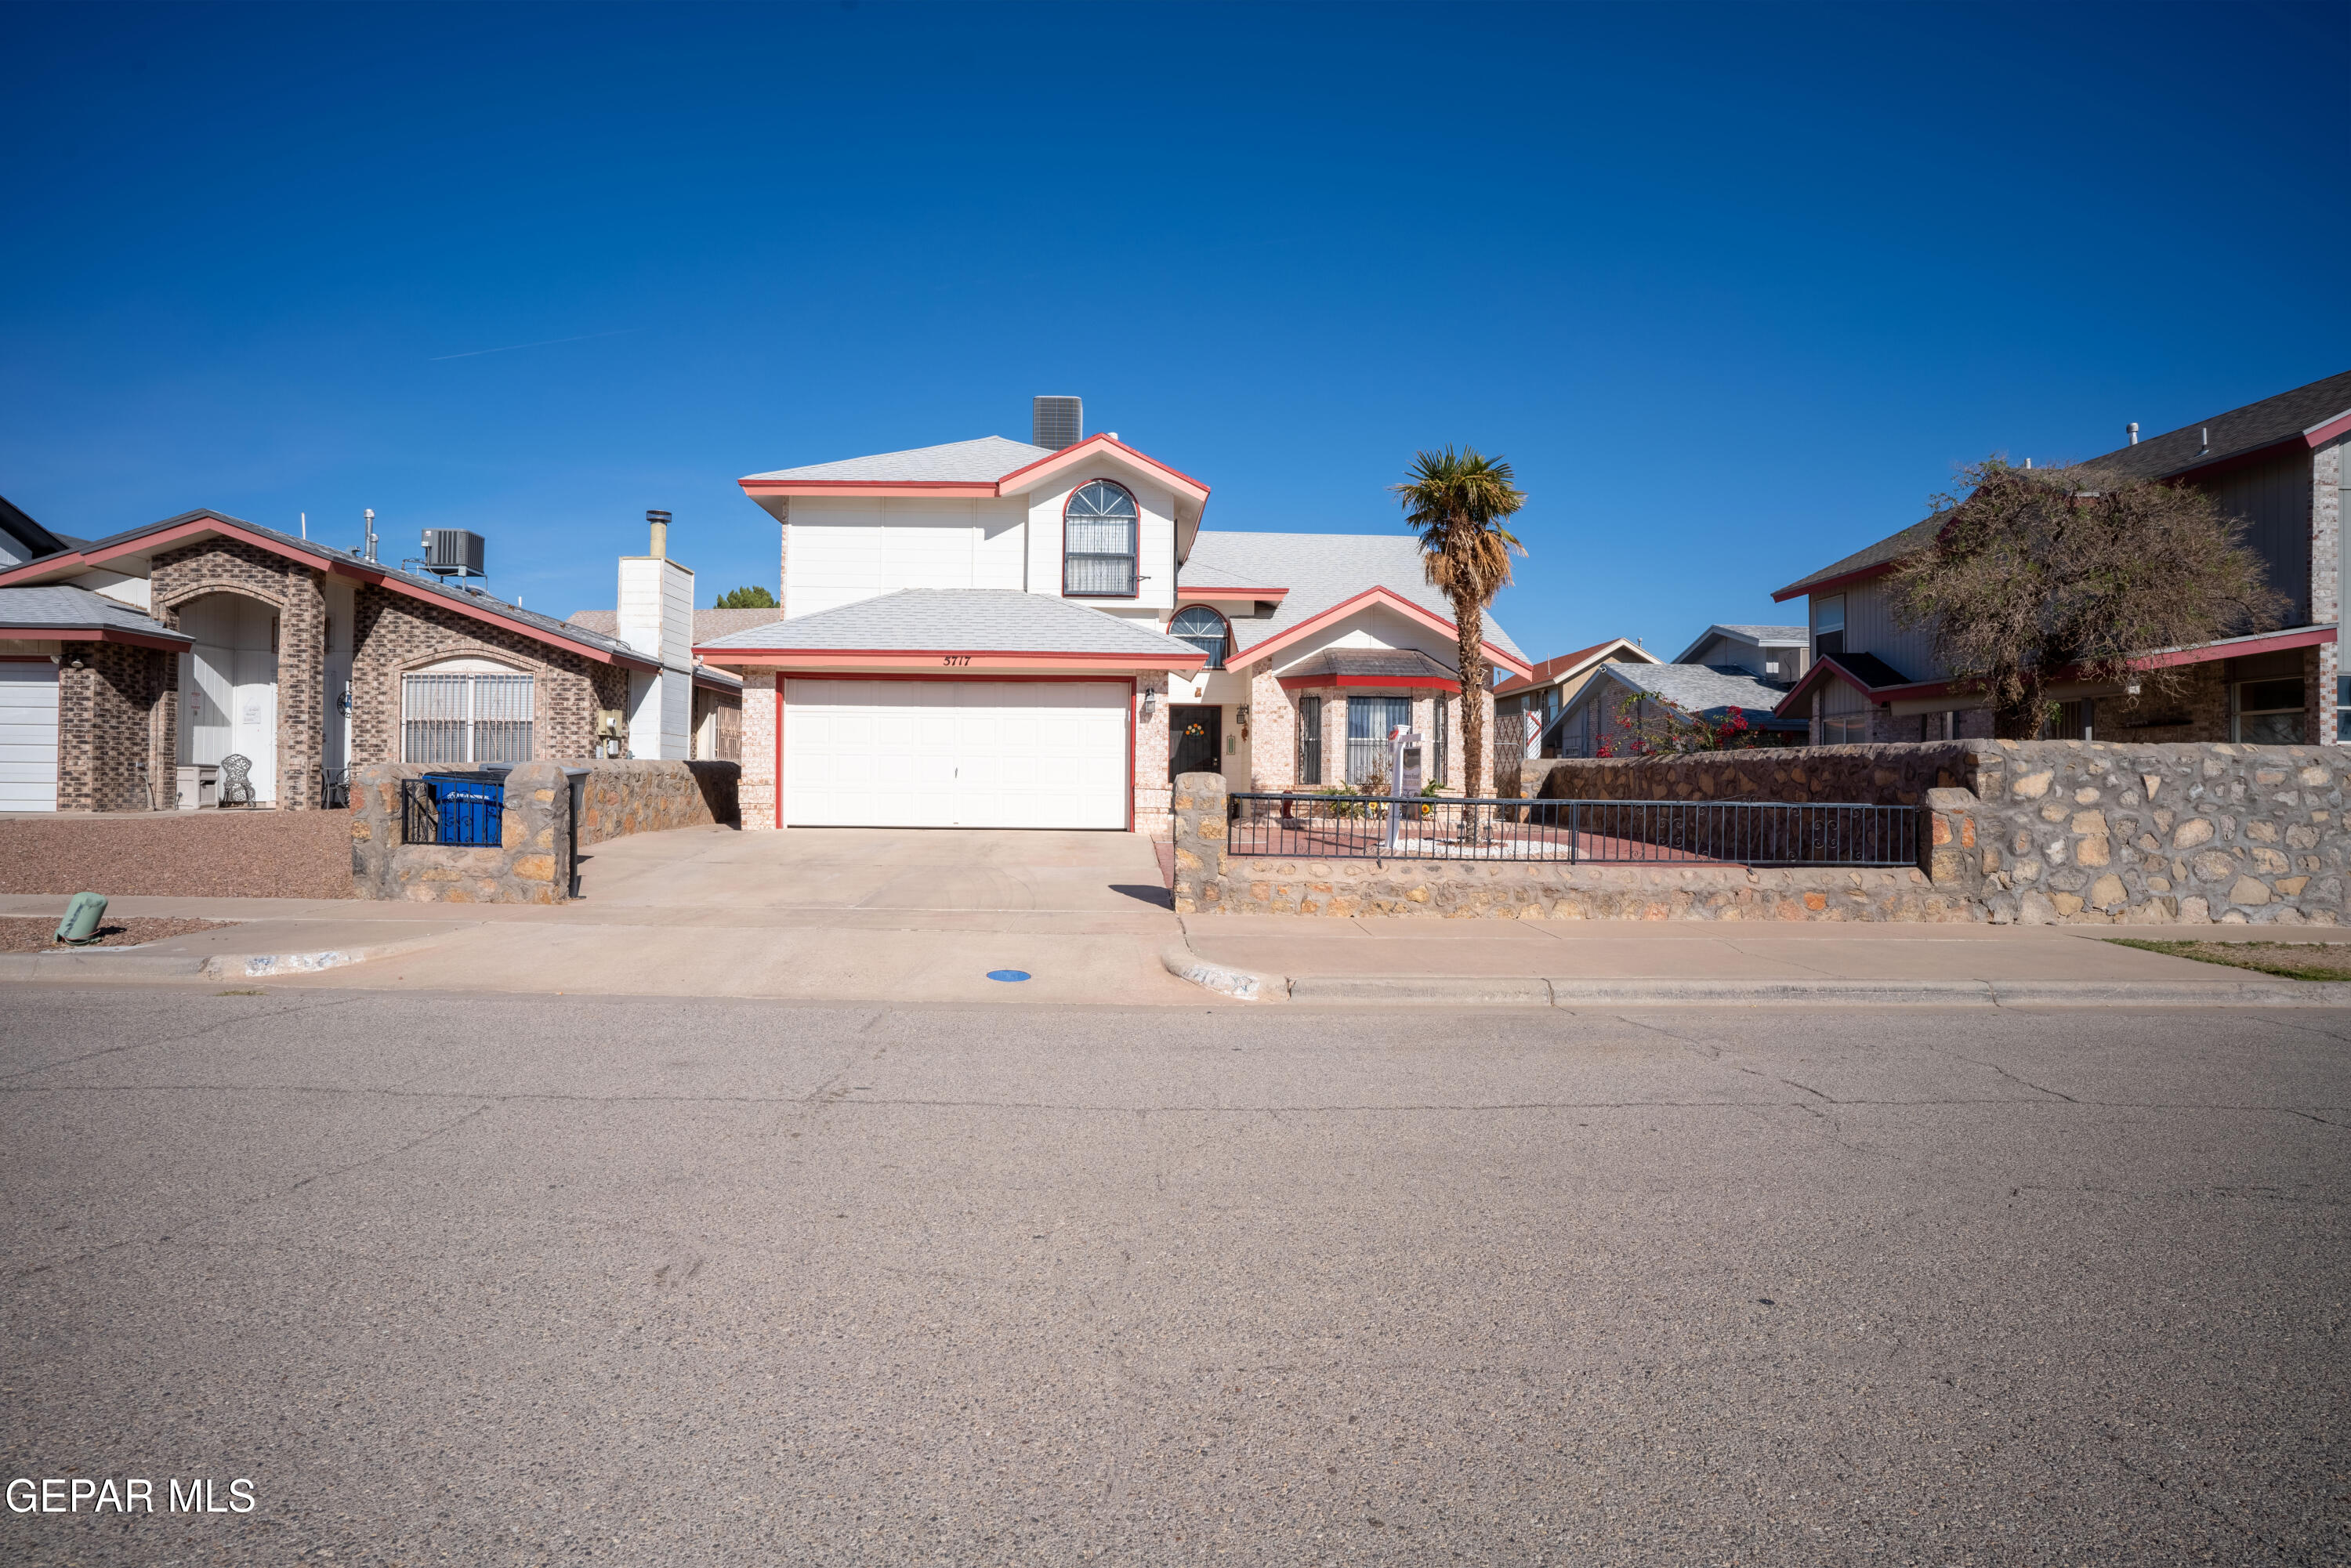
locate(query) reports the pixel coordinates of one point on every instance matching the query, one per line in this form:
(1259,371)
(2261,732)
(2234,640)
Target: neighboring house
(2277,464)
(22,538)
(136,663)
(1638,696)
(716,717)
(998,633)
(1527,707)
(1775,655)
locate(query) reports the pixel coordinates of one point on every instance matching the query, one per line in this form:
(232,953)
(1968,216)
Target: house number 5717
(956,659)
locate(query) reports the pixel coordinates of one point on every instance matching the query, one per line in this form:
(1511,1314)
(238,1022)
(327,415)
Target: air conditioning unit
(453,552)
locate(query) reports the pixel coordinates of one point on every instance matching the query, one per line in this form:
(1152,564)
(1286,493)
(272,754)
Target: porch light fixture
(1149,704)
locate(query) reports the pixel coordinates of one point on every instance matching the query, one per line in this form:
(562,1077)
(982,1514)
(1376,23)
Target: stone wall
(532,864)
(2092,831)
(2016,832)
(115,744)
(1211,880)
(1871,774)
(298,594)
(625,798)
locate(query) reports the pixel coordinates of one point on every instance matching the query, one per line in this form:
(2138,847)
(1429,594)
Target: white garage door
(28,736)
(955,754)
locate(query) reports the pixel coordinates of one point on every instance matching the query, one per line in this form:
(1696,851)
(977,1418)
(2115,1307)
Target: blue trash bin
(470,808)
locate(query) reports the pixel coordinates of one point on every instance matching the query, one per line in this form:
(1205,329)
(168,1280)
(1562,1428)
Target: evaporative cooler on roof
(1059,421)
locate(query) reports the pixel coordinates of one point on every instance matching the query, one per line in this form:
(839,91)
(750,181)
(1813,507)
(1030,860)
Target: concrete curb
(127,963)
(98,964)
(1500,991)
(1505,991)
(262,965)
(1241,985)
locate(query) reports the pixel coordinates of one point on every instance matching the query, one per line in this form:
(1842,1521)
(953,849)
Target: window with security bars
(1098,542)
(1309,740)
(465,720)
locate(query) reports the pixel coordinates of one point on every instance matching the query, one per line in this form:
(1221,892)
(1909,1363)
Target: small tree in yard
(1645,729)
(2040,574)
(753,598)
(1457,501)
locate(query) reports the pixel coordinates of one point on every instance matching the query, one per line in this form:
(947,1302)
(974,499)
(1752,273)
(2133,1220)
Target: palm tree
(1457,501)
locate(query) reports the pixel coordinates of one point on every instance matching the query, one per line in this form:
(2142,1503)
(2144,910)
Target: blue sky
(1734,288)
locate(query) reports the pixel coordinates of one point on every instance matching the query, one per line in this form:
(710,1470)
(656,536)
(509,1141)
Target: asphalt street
(492,1280)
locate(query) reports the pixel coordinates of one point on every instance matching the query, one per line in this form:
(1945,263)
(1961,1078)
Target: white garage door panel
(955,754)
(28,736)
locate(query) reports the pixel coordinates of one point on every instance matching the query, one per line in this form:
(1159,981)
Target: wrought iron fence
(1341,826)
(454,809)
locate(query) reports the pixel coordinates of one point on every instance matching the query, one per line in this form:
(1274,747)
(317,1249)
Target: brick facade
(114,735)
(397,634)
(1151,781)
(759,754)
(2326,481)
(298,594)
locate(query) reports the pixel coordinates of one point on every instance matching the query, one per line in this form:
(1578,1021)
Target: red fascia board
(2204,654)
(2319,435)
(1369,596)
(779,656)
(1842,580)
(1069,453)
(96,635)
(69,560)
(1396,683)
(389,581)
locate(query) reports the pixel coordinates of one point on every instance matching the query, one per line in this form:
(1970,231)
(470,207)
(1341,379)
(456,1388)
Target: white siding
(28,735)
(1154,539)
(846,549)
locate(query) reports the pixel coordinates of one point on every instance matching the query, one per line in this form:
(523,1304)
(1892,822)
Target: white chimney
(657,620)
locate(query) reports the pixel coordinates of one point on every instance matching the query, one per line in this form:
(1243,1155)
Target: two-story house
(997,633)
(2277,464)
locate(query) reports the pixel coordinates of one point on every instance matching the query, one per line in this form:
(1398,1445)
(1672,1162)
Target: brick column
(1273,731)
(2326,482)
(301,690)
(761,692)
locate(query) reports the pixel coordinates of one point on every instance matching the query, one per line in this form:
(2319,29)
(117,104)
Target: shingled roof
(965,620)
(2272,422)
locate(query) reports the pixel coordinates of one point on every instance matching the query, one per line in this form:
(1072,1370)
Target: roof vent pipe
(1058,422)
(660,521)
(2205,437)
(2133,427)
(370,533)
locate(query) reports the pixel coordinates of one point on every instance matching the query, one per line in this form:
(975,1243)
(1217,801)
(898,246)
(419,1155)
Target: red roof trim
(2319,435)
(95,634)
(1564,664)
(1387,596)
(1102,440)
(2204,654)
(1398,683)
(1844,579)
(214,523)
(1185,591)
(762,656)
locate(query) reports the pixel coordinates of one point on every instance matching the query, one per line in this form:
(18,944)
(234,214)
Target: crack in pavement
(245,1203)
(177,1039)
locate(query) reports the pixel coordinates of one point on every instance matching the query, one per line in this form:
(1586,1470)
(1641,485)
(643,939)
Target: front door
(1196,739)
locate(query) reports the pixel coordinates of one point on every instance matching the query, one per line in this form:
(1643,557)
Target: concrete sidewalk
(837,915)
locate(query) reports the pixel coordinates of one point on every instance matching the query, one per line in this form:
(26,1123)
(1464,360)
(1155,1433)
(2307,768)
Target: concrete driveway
(935,871)
(832,913)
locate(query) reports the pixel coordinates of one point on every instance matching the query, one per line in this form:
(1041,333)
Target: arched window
(465,712)
(1205,630)
(1098,542)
